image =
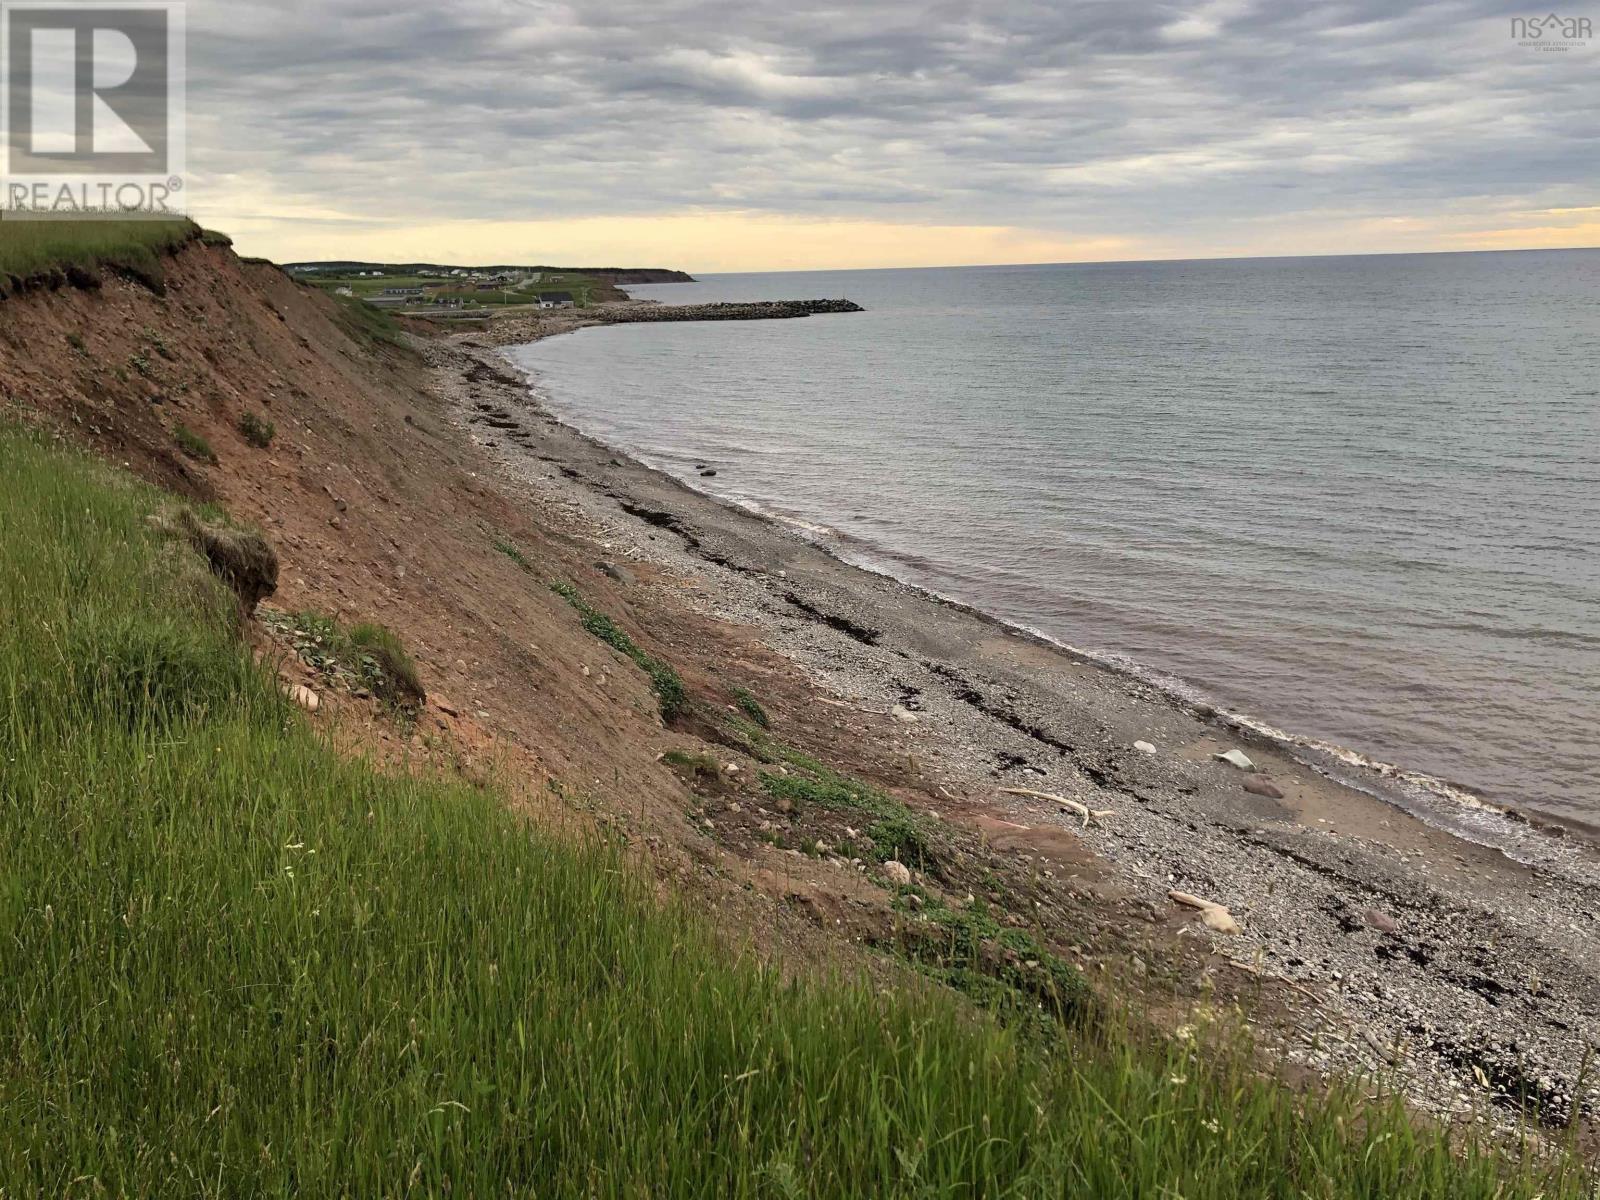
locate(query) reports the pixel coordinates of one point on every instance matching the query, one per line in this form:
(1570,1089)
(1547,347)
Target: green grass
(367,657)
(896,831)
(751,707)
(368,325)
(257,430)
(233,963)
(192,444)
(691,764)
(514,552)
(27,247)
(664,681)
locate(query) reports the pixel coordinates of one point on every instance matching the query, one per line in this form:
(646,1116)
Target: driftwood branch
(845,704)
(1083,810)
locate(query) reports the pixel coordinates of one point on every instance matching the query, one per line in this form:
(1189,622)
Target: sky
(782,135)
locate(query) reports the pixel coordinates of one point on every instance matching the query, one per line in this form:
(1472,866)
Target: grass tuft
(751,707)
(195,446)
(257,430)
(514,552)
(700,766)
(366,658)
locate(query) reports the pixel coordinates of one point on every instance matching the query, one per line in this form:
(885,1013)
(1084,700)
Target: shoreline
(1452,959)
(1455,808)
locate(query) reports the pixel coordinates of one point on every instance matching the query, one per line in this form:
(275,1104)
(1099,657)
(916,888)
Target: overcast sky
(776,134)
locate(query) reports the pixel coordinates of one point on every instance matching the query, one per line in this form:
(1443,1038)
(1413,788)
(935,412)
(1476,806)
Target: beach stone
(897,873)
(614,571)
(707,473)
(1381,921)
(1144,747)
(903,714)
(1237,758)
(305,697)
(1263,787)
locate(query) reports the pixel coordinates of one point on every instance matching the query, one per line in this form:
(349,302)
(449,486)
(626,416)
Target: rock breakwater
(755,310)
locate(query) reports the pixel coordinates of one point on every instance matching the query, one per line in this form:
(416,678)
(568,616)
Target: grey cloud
(1083,117)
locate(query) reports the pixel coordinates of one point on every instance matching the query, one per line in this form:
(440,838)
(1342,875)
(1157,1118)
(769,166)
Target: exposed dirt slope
(381,511)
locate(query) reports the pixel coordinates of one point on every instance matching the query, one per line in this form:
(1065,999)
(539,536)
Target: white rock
(1237,758)
(1144,747)
(1219,918)
(897,873)
(903,714)
(305,697)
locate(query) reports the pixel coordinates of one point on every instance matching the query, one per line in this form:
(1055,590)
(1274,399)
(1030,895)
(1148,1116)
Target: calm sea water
(1356,498)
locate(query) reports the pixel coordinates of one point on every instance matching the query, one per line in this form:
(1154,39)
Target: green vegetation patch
(30,247)
(365,657)
(664,681)
(751,707)
(696,766)
(366,324)
(514,552)
(896,831)
(195,446)
(1002,967)
(257,430)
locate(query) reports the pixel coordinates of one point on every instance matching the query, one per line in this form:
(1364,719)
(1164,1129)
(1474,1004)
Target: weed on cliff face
(367,658)
(664,681)
(691,765)
(1003,966)
(195,446)
(257,430)
(514,552)
(751,707)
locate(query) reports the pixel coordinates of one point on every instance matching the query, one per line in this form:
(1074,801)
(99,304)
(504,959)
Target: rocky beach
(1465,969)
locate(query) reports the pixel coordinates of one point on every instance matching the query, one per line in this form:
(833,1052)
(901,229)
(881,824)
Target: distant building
(402,291)
(556,300)
(342,290)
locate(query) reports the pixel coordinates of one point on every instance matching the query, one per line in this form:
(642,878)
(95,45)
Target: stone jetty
(754,310)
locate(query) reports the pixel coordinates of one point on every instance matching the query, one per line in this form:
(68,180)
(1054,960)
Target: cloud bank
(1091,130)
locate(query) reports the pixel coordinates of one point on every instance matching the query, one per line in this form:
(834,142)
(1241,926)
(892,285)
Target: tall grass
(29,246)
(232,963)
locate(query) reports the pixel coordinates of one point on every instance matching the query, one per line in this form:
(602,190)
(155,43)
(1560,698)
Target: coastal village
(451,290)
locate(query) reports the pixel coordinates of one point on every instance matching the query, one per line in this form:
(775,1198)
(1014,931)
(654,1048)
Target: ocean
(1354,499)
